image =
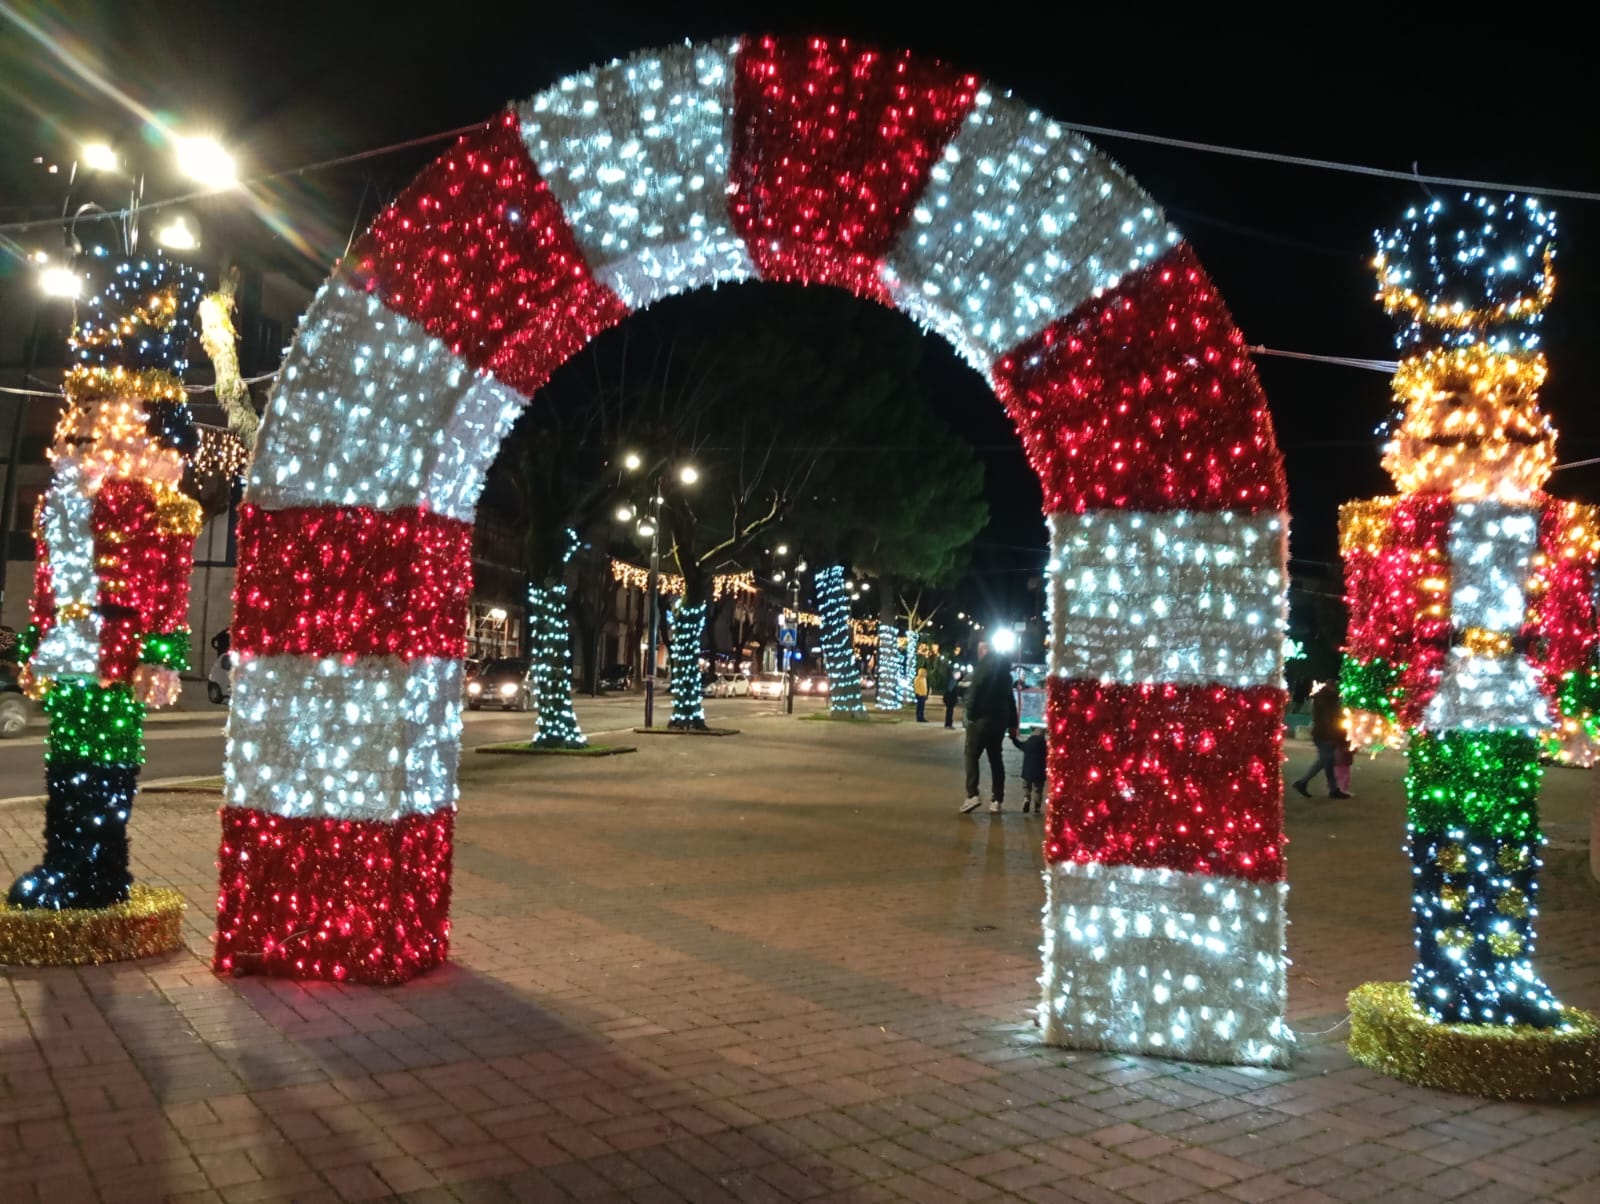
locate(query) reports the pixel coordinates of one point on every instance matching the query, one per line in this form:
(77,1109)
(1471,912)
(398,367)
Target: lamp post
(650,528)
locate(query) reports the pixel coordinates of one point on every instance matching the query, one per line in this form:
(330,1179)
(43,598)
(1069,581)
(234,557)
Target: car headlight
(474,688)
(507,689)
(822,687)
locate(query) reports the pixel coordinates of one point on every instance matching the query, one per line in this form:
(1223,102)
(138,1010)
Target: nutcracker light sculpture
(1472,640)
(108,637)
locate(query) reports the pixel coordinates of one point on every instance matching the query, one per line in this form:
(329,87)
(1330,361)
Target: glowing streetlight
(204,161)
(865,586)
(778,576)
(624,514)
(646,528)
(1003,640)
(178,235)
(632,462)
(781,550)
(60,281)
(98,156)
(688,474)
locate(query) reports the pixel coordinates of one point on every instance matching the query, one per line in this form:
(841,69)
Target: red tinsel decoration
(1392,612)
(1182,777)
(1145,399)
(334,900)
(144,572)
(334,581)
(1561,612)
(831,147)
(478,250)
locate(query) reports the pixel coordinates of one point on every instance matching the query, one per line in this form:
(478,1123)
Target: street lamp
(650,528)
(177,234)
(204,161)
(58,281)
(624,514)
(98,156)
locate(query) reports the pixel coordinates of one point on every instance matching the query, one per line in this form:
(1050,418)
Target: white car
(767,685)
(731,685)
(219,682)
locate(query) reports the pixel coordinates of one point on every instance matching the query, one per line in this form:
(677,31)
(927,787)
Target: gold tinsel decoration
(1389,1034)
(150,922)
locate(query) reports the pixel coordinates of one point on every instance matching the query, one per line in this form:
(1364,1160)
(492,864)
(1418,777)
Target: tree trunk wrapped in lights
(1471,615)
(550,642)
(890,660)
(116,549)
(909,661)
(688,692)
(838,643)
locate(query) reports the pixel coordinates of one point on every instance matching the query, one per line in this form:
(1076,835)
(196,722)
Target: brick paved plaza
(770,968)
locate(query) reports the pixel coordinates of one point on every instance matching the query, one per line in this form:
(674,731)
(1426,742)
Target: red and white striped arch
(808,160)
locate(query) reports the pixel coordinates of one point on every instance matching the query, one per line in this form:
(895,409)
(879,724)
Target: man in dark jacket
(1326,715)
(991,704)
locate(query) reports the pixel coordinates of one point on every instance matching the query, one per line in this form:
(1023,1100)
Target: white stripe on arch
(1022,221)
(1157,961)
(372,738)
(1190,597)
(371,410)
(637,153)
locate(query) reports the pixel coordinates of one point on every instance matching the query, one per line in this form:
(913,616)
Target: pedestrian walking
(920,688)
(1326,732)
(991,716)
(1033,765)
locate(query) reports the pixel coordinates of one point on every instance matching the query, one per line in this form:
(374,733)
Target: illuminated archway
(807,160)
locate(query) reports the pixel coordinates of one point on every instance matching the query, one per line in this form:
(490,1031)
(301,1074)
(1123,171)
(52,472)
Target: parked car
(617,677)
(730,685)
(219,682)
(766,685)
(17,711)
(506,683)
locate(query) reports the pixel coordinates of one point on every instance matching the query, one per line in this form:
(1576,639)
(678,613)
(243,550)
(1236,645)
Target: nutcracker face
(107,438)
(1472,427)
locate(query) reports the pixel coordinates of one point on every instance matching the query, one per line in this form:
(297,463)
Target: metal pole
(655,611)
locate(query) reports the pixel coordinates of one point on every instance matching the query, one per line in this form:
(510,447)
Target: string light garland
(550,629)
(807,160)
(670,585)
(838,650)
(688,691)
(108,635)
(1472,613)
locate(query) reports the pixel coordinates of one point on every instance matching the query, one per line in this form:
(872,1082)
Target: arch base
(341,901)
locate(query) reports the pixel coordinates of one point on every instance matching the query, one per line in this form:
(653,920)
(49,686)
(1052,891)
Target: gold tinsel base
(150,922)
(1391,1035)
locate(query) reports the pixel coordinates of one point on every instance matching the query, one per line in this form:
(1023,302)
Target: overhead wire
(1099,131)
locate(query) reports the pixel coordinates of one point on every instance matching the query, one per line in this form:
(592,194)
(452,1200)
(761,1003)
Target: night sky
(288,83)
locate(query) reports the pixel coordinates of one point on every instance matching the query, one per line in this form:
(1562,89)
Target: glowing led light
(838,651)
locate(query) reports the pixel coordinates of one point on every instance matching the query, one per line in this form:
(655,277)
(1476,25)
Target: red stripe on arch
(333,899)
(351,581)
(831,147)
(1145,399)
(1171,776)
(479,252)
